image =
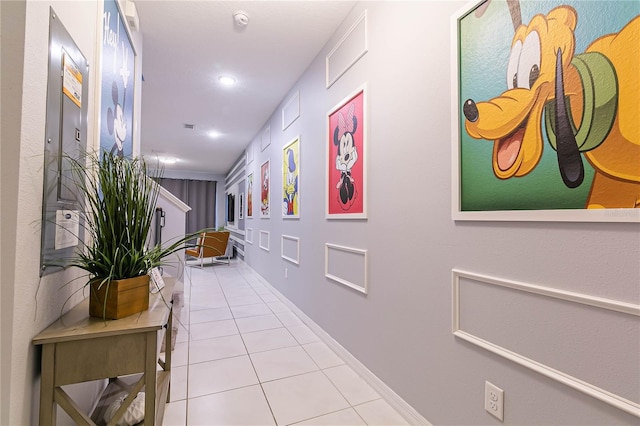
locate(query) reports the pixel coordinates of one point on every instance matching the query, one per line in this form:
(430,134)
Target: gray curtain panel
(200,195)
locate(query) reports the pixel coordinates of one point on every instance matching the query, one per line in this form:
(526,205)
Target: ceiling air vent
(189,126)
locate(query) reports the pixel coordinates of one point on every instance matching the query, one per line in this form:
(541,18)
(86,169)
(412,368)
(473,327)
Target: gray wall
(401,330)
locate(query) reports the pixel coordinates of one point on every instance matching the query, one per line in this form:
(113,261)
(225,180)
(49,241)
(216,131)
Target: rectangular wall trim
(264,240)
(249,152)
(249,235)
(265,138)
(349,49)
(347,266)
(291,110)
(290,249)
(608,397)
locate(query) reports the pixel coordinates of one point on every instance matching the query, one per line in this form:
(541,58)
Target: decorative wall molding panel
(291,110)
(249,153)
(543,328)
(290,249)
(264,240)
(349,49)
(265,138)
(347,266)
(249,235)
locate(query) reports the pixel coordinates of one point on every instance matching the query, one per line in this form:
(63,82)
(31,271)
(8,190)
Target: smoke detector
(241,18)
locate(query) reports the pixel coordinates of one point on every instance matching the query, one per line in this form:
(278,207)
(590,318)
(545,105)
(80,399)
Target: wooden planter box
(123,298)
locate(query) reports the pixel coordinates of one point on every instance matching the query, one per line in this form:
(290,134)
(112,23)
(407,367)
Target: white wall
(402,329)
(12,16)
(35,302)
(174,228)
(31,303)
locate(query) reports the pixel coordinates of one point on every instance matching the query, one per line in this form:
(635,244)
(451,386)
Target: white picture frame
(290,182)
(265,190)
(477,194)
(346,182)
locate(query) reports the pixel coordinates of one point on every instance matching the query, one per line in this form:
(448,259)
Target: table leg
(150,378)
(47,405)
(168,343)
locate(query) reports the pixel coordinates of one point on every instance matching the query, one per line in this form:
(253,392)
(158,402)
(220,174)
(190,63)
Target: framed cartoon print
(346,178)
(545,101)
(250,195)
(264,189)
(291,179)
(118,83)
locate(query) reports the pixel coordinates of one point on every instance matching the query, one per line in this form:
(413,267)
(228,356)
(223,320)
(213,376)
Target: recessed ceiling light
(214,134)
(227,80)
(169,160)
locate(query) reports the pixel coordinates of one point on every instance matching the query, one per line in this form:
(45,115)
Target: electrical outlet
(494,400)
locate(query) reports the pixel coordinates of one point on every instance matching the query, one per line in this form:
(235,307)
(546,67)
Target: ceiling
(187,45)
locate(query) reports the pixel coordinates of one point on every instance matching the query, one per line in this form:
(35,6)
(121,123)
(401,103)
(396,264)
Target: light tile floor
(243,358)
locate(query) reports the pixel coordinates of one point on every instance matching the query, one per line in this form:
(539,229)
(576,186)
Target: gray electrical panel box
(65,137)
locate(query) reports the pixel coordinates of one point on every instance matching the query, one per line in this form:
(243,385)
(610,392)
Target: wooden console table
(78,348)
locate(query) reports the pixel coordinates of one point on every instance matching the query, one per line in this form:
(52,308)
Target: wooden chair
(210,245)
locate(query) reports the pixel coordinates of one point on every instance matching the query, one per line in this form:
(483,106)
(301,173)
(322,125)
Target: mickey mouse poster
(116,105)
(346,170)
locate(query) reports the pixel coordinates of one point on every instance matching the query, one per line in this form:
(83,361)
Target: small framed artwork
(551,141)
(250,196)
(231,204)
(346,179)
(291,179)
(241,206)
(264,189)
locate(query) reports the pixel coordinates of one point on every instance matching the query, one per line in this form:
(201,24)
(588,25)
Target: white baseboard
(393,399)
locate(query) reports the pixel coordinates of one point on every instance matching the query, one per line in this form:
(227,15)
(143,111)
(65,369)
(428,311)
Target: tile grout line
(228,288)
(273,416)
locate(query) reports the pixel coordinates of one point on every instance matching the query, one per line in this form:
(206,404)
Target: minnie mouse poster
(346,169)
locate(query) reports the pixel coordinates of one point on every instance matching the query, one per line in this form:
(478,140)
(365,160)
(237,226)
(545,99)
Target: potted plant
(119,201)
